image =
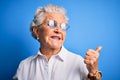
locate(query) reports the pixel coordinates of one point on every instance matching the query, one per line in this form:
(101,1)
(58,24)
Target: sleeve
(83,70)
(19,72)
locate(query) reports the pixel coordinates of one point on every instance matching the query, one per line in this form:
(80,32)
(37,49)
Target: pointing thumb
(98,48)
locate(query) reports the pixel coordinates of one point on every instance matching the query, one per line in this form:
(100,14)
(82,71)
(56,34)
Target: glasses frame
(53,24)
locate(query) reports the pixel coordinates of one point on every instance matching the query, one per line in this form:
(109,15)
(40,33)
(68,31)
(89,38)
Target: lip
(56,37)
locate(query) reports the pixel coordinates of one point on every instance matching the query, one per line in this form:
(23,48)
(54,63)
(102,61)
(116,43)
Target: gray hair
(39,15)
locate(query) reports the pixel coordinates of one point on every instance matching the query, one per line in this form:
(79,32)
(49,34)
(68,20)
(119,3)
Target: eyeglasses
(53,24)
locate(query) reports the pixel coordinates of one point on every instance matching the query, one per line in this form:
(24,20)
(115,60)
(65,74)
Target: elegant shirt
(63,66)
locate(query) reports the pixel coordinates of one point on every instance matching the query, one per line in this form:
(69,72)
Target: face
(52,37)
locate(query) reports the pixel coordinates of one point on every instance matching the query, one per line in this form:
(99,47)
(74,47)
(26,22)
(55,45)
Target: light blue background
(92,23)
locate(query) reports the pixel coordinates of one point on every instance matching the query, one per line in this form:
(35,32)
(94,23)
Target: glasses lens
(51,23)
(64,26)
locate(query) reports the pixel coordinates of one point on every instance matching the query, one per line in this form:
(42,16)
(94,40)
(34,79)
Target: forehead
(55,16)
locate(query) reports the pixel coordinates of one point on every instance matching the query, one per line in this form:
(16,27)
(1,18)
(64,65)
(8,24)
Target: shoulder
(76,60)
(27,61)
(74,55)
(73,58)
(24,67)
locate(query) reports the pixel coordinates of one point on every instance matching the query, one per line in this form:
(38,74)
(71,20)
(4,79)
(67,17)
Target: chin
(56,46)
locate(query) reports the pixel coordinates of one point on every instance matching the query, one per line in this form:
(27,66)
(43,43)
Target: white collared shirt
(63,66)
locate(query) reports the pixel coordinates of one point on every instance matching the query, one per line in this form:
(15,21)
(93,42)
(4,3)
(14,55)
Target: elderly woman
(53,61)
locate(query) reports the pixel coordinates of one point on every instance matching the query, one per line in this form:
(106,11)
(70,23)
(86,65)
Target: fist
(91,59)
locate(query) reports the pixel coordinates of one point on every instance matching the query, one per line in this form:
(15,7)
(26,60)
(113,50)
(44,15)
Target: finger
(98,48)
(88,62)
(91,52)
(90,57)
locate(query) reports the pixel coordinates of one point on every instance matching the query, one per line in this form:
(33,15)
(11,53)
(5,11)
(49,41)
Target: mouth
(56,38)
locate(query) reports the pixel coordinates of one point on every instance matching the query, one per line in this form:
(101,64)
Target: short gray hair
(39,15)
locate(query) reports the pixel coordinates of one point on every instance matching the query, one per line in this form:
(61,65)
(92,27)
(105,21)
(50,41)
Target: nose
(57,29)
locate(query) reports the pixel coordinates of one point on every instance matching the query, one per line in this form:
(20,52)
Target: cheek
(43,31)
(44,35)
(64,35)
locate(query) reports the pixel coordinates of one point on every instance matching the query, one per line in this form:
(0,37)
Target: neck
(48,52)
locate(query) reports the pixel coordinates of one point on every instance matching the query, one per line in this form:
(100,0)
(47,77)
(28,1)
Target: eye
(63,26)
(51,23)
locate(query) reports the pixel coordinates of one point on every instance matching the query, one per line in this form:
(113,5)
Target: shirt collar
(61,55)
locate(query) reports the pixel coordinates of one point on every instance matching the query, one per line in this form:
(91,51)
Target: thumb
(98,48)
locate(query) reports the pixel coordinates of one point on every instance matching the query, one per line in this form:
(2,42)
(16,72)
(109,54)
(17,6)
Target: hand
(91,59)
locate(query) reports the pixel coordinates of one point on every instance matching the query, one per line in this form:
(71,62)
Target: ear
(36,32)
